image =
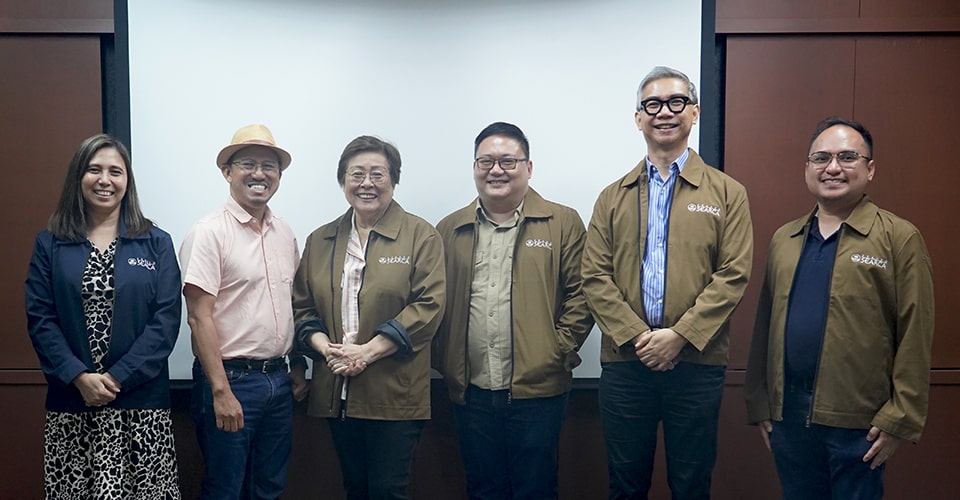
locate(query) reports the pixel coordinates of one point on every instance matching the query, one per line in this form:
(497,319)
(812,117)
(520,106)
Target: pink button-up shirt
(249,268)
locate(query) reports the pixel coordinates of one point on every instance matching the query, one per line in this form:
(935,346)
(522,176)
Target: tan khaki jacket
(874,367)
(550,317)
(710,247)
(403,280)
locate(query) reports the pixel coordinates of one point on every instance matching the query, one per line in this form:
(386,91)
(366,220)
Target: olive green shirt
(489,343)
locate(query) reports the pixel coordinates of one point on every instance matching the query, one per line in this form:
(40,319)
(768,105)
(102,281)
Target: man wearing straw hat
(238,265)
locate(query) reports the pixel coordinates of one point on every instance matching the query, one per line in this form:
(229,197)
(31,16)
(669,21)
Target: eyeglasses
(846,159)
(376,177)
(487,163)
(250,165)
(675,104)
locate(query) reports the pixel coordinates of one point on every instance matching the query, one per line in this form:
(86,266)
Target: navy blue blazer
(146,318)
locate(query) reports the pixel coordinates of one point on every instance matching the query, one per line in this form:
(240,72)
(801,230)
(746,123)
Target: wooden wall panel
(909,8)
(745,469)
(50,102)
(879,80)
(777,90)
(786,9)
(904,94)
(76,16)
(21,436)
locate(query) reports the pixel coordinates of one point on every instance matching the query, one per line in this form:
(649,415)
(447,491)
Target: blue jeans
(253,461)
(820,461)
(375,456)
(509,447)
(633,402)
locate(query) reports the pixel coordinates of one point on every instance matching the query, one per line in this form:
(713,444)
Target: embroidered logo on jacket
(538,243)
(700,207)
(396,259)
(140,261)
(869,260)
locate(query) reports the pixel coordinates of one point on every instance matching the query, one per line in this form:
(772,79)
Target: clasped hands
(346,359)
(97,389)
(657,349)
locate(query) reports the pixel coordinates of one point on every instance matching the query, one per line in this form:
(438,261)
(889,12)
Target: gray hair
(664,72)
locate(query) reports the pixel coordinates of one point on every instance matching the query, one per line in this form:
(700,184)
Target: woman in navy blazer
(103,312)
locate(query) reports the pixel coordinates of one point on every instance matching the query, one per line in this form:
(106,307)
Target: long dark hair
(69,220)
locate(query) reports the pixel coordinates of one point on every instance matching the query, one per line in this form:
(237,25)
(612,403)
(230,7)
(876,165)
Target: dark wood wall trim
(937,377)
(711,102)
(116,77)
(22,377)
(734,378)
(837,25)
(62,18)
(55,26)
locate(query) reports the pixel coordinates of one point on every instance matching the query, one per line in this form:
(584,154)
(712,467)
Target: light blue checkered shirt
(654,275)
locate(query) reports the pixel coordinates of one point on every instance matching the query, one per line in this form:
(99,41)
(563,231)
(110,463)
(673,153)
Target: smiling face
(666,132)
(252,190)
(368,186)
(839,186)
(502,190)
(104,183)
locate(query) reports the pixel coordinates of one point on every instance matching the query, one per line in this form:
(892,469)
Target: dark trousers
(375,455)
(252,462)
(509,447)
(819,461)
(633,402)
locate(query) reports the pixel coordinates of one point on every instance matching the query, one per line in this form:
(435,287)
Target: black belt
(256,365)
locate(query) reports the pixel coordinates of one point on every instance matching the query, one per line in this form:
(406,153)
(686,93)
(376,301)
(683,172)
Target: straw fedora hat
(252,135)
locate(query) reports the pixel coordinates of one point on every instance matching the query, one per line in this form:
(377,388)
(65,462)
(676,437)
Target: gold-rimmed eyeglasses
(250,165)
(846,159)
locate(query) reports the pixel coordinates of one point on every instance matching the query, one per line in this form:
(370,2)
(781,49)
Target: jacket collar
(122,231)
(388,226)
(534,207)
(860,220)
(692,173)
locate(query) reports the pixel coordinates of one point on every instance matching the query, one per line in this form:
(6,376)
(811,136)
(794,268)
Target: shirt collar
(244,217)
(677,164)
(482,214)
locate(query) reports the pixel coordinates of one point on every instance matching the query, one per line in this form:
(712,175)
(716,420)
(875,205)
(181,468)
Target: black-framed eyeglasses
(250,165)
(846,159)
(487,163)
(653,105)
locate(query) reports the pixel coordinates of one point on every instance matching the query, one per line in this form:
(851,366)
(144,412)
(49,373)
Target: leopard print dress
(111,453)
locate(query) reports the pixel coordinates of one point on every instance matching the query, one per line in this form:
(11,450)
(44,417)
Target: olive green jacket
(874,366)
(709,252)
(550,320)
(404,280)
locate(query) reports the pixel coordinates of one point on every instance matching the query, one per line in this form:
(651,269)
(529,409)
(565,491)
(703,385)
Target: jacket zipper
(343,402)
(521,225)
(466,336)
(823,329)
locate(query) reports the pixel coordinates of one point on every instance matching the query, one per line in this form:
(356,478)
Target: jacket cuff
(302,335)
(397,334)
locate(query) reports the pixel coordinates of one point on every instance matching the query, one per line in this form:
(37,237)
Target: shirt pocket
(479,268)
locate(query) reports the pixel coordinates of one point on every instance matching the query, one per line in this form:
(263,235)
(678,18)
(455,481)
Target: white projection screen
(426,75)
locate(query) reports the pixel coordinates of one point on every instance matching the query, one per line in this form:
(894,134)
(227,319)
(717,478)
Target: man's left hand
(298,381)
(883,447)
(660,348)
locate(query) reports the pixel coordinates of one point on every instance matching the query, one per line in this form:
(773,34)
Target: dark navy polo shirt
(807,306)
